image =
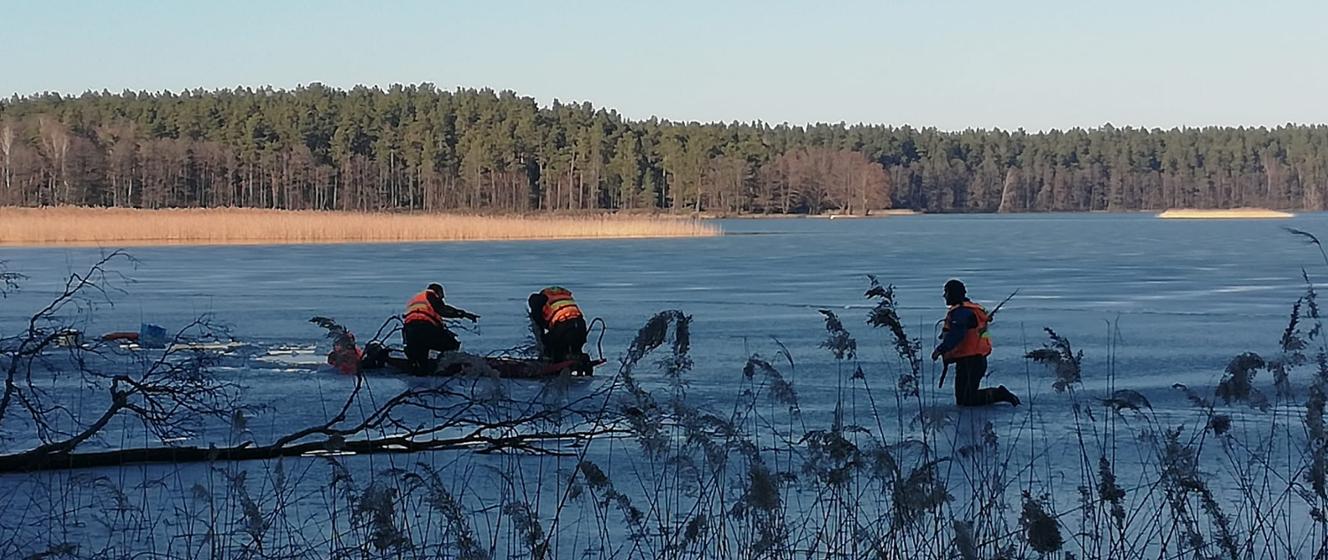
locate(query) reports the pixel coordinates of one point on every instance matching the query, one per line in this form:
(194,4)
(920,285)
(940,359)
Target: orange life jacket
(419,309)
(976,342)
(559,306)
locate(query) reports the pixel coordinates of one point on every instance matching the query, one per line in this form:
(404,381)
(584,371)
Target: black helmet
(436,288)
(955,292)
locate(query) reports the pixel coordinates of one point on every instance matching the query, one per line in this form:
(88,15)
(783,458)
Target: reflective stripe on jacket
(420,309)
(559,306)
(976,342)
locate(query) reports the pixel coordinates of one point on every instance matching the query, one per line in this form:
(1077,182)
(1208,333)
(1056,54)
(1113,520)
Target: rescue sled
(349,358)
(376,357)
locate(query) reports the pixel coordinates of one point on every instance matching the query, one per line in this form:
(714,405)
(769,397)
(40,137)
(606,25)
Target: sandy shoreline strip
(1227,214)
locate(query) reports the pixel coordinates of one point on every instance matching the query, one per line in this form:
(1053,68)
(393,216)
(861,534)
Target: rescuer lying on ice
(559,325)
(423,328)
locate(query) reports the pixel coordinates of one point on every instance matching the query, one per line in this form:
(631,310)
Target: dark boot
(583,363)
(1004,395)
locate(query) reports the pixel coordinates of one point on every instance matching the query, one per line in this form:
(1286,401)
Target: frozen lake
(1184,296)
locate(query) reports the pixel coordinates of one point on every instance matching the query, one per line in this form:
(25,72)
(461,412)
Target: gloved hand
(935,354)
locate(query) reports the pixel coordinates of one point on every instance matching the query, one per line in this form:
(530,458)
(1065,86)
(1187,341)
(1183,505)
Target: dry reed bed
(93,226)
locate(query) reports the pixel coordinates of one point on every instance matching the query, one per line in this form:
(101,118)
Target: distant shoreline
(68,226)
(79,226)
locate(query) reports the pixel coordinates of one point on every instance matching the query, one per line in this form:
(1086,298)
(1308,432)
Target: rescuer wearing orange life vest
(423,328)
(966,344)
(559,323)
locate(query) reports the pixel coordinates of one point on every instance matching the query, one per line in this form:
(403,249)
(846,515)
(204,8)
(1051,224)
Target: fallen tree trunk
(34,462)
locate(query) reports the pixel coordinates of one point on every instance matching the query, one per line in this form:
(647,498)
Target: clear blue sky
(945,63)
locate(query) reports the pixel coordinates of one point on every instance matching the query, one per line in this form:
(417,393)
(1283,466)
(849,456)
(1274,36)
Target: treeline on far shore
(420,148)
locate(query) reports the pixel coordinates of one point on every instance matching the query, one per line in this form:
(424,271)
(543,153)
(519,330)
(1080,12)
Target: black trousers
(968,376)
(565,340)
(421,337)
